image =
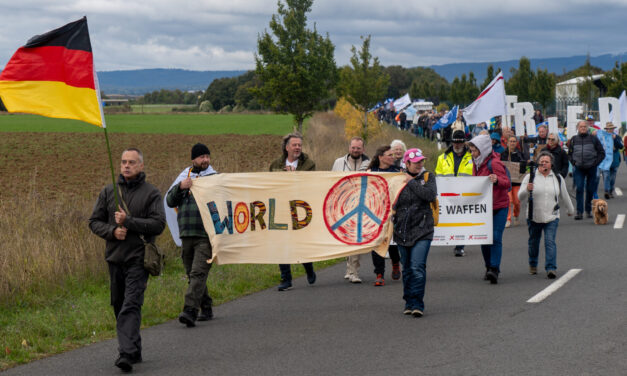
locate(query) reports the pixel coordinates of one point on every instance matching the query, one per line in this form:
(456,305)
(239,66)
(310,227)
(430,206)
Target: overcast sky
(222,34)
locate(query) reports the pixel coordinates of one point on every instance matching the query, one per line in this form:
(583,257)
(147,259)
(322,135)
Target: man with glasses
(455,161)
(560,158)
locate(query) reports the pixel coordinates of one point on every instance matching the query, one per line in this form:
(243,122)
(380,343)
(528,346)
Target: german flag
(53,75)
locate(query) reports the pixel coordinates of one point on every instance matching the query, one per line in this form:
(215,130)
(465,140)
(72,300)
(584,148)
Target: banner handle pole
(115,191)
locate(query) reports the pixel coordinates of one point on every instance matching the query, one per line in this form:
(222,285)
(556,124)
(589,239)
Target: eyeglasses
(551,139)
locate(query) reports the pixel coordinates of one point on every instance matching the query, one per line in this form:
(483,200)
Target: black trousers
(128,283)
(286,270)
(379,262)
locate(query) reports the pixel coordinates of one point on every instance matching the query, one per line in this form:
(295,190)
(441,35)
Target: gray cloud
(222,35)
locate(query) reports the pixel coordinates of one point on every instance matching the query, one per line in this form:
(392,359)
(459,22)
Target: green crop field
(193,124)
(158,108)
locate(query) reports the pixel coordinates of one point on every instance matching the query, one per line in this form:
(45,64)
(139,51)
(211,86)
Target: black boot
(493,276)
(188,317)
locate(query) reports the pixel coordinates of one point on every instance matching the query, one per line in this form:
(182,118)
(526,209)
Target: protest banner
(465,211)
(296,217)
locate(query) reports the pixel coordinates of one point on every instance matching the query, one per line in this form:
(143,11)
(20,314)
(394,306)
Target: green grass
(47,322)
(158,108)
(196,124)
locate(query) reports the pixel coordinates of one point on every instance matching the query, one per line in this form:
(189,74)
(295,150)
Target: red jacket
(500,198)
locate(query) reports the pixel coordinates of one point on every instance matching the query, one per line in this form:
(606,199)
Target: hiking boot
(396,271)
(551,274)
(188,317)
(459,252)
(416,313)
(124,363)
(311,278)
(578,216)
(285,285)
(354,279)
(493,276)
(206,314)
(379,281)
(533,270)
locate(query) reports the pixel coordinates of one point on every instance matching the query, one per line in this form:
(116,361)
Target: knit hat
(459,136)
(495,136)
(198,150)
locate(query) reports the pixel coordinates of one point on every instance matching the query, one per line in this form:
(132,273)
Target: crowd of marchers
(543,160)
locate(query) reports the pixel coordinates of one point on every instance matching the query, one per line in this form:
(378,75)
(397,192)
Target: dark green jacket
(304,164)
(147,217)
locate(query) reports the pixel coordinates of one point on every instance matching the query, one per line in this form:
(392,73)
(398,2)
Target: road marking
(618,191)
(620,219)
(554,286)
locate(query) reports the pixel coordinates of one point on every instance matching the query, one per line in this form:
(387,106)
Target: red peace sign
(356,208)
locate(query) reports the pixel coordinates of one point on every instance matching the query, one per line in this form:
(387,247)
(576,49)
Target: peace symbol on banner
(356,208)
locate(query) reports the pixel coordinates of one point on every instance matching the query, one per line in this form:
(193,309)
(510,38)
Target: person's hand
(530,187)
(493,178)
(120,216)
(120,233)
(289,168)
(187,183)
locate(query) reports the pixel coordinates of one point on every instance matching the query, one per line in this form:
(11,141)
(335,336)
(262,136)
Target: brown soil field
(50,165)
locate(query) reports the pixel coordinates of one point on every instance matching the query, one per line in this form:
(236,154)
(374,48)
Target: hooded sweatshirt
(500,198)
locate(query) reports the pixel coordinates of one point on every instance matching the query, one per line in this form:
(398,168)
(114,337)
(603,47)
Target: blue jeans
(414,260)
(609,179)
(492,252)
(584,180)
(550,248)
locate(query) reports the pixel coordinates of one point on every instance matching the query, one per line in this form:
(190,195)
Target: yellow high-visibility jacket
(446,164)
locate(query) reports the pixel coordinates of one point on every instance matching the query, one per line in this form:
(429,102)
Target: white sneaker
(507,224)
(347,275)
(354,278)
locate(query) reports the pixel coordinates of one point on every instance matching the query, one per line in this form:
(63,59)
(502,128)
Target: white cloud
(212,34)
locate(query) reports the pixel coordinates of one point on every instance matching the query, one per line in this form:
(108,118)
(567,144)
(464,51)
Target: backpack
(509,177)
(435,205)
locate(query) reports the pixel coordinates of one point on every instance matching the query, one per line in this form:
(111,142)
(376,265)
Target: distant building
(567,93)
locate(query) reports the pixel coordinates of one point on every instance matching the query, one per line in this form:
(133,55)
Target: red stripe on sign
(51,63)
(449,194)
(489,87)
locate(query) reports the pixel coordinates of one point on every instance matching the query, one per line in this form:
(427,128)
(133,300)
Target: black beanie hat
(198,150)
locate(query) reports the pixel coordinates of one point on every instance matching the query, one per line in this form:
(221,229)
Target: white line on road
(554,286)
(618,191)
(620,219)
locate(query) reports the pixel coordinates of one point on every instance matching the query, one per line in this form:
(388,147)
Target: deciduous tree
(295,65)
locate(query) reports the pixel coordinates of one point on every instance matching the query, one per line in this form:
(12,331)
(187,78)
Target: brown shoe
(533,270)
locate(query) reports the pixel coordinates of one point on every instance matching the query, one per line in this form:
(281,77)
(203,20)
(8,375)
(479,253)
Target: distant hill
(557,65)
(141,81)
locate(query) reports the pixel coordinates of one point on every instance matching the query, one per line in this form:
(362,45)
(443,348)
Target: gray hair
(395,143)
(546,154)
(139,152)
(287,139)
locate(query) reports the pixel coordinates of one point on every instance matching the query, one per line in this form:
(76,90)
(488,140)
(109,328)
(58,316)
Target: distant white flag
(622,100)
(402,102)
(490,103)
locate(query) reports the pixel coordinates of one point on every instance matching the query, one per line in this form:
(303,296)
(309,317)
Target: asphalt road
(470,327)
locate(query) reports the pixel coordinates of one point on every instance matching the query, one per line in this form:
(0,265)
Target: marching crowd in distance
(479,151)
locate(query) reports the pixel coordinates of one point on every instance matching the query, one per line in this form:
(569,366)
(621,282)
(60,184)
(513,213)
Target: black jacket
(413,220)
(147,217)
(560,160)
(585,151)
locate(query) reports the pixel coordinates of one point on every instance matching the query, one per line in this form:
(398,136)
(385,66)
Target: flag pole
(104,127)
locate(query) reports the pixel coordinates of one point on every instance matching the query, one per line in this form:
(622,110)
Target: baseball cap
(413,155)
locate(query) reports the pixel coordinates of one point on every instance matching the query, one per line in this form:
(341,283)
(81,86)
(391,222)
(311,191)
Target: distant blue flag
(546,124)
(446,120)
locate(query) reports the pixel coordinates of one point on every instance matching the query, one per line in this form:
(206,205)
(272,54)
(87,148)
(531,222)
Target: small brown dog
(599,210)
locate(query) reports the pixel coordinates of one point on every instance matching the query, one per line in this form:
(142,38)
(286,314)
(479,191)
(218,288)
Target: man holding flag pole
(53,75)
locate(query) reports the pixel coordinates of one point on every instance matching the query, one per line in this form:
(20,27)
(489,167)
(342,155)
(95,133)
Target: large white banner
(465,211)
